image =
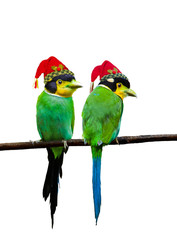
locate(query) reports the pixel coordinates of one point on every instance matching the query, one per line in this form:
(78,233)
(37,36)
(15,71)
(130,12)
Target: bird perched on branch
(55,119)
(101,115)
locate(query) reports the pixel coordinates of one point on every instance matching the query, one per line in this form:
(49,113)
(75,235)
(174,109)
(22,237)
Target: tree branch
(80,142)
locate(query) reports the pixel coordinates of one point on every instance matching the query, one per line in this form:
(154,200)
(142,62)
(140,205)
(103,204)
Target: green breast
(55,117)
(101,116)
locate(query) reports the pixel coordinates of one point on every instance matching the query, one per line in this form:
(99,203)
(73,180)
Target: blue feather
(96,182)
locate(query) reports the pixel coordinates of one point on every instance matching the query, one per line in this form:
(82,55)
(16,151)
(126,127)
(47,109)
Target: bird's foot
(65,146)
(99,143)
(33,141)
(117,141)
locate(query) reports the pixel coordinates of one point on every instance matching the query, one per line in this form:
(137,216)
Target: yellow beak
(130,92)
(74,84)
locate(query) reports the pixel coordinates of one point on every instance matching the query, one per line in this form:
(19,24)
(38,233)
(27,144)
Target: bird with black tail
(55,120)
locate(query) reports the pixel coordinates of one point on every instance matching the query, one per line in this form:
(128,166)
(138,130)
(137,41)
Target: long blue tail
(96,182)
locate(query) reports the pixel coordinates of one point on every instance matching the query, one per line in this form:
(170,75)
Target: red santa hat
(104,71)
(51,68)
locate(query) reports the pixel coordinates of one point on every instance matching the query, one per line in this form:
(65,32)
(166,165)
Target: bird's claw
(65,146)
(99,143)
(117,141)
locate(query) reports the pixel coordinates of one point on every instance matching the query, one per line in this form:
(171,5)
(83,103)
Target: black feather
(112,85)
(51,181)
(52,87)
(65,77)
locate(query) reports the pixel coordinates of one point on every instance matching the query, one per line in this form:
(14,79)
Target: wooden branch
(80,142)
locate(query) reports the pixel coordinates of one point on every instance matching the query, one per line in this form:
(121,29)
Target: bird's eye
(119,85)
(59,82)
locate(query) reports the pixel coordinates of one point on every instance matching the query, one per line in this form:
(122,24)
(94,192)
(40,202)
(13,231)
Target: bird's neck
(102,85)
(119,95)
(52,94)
(55,95)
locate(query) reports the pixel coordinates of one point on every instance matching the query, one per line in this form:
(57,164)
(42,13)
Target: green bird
(55,120)
(101,115)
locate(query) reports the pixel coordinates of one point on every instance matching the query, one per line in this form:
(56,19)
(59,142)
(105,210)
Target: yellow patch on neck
(64,89)
(120,94)
(121,91)
(52,94)
(65,92)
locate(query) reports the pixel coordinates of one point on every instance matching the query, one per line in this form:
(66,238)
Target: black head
(120,86)
(51,86)
(112,83)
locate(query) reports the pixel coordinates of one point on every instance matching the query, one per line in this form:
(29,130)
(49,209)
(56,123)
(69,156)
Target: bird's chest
(55,117)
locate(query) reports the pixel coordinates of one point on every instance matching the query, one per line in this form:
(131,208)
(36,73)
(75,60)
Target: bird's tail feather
(52,179)
(96,182)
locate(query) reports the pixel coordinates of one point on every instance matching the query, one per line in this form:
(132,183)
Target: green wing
(101,116)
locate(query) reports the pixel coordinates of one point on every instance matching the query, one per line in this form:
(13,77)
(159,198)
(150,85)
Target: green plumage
(55,118)
(101,115)
(55,121)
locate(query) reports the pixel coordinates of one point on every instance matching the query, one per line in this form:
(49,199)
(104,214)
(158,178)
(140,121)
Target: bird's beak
(130,92)
(74,84)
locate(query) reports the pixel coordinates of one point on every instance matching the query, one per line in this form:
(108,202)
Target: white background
(139,182)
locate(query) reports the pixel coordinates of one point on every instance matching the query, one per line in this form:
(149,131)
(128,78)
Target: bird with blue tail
(55,120)
(101,116)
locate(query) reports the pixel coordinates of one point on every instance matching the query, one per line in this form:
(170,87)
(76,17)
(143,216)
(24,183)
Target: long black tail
(51,181)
